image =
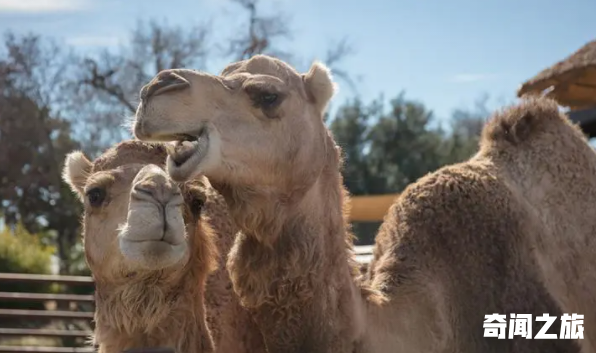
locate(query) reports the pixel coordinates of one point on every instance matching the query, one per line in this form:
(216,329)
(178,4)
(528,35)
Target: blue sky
(443,53)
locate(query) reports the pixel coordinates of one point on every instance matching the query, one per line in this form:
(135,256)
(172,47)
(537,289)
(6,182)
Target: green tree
(466,126)
(387,149)
(403,146)
(351,129)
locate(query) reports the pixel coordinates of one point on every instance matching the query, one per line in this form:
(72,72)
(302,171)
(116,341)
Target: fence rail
(41,297)
(20,332)
(63,314)
(34,349)
(59,279)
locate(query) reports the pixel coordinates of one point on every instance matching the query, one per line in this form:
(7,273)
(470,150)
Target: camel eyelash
(264,97)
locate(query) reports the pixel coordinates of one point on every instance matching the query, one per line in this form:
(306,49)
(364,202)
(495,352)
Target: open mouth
(189,147)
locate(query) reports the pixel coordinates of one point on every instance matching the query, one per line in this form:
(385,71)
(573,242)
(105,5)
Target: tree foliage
(385,149)
(34,139)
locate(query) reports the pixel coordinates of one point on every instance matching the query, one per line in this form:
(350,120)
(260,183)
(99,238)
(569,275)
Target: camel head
(259,124)
(136,219)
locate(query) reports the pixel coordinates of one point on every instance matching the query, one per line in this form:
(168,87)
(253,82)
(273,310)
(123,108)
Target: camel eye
(96,196)
(266,100)
(196,205)
(263,97)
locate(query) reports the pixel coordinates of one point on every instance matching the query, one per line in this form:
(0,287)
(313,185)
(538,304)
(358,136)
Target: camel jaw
(187,154)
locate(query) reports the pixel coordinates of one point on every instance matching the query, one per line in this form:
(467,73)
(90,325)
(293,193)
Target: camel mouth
(153,254)
(157,242)
(186,153)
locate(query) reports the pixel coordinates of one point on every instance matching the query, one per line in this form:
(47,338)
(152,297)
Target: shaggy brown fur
(172,312)
(462,242)
(232,327)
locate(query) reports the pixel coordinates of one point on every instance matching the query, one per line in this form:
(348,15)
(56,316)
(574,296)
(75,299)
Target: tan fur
(548,163)
(162,307)
(232,327)
(292,263)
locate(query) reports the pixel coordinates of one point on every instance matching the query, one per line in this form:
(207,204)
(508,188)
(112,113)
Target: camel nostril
(160,193)
(155,194)
(165,81)
(145,191)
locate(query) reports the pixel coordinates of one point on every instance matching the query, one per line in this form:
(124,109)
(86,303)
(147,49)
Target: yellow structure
(370,208)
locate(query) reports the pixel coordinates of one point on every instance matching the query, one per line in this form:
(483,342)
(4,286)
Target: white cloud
(93,41)
(473,77)
(41,5)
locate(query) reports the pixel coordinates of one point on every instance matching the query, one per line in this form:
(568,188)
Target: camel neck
(154,317)
(304,267)
(296,237)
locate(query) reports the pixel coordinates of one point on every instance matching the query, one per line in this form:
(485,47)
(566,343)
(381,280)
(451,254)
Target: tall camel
(150,293)
(256,131)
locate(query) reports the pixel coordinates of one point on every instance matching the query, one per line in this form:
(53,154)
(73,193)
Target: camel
(480,227)
(150,294)
(256,131)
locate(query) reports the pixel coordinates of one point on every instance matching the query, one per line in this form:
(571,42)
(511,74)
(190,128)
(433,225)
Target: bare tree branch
(108,85)
(261,34)
(100,81)
(334,57)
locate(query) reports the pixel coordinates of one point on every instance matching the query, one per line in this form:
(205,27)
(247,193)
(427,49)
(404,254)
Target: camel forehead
(130,152)
(264,65)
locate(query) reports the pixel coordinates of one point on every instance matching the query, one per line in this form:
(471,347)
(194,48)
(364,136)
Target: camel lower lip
(190,150)
(183,150)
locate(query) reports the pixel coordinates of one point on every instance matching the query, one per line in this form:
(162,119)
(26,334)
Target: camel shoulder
(459,207)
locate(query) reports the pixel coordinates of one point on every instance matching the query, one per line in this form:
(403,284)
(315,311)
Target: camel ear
(319,85)
(76,171)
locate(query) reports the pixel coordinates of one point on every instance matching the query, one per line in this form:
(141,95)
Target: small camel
(150,294)
(256,131)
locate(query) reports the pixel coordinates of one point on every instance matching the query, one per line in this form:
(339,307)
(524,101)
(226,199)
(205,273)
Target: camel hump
(531,119)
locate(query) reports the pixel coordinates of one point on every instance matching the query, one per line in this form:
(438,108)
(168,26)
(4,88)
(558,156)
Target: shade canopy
(571,82)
